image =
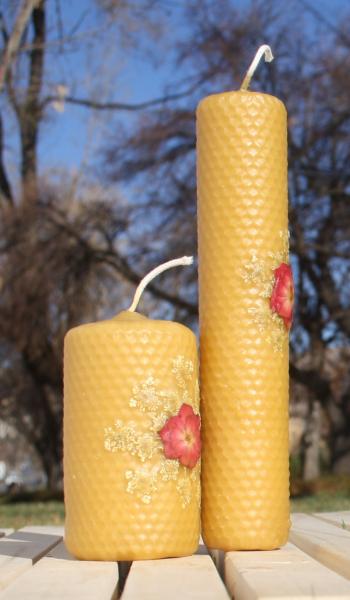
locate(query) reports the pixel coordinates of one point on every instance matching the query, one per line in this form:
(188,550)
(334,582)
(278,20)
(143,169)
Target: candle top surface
(126,320)
(241,96)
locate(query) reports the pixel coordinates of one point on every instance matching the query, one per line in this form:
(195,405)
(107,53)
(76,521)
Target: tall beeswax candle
(131,438)
(245,290)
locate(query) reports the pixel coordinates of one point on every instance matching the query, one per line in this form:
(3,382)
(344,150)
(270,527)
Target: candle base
(124,379)
(266,537)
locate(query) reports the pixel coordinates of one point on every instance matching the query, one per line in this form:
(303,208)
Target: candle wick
(176,262)
(263,50)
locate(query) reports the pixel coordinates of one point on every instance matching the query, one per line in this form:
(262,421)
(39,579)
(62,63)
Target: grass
(326,494)
(321,502)
(19,514)
(329,493)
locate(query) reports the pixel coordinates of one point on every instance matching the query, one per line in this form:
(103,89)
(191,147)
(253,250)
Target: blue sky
(70,138)
(107,70)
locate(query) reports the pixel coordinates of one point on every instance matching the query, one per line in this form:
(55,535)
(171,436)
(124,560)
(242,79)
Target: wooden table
(34,565)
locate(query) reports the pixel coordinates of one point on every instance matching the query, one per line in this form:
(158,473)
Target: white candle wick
(176,262)
(263,50)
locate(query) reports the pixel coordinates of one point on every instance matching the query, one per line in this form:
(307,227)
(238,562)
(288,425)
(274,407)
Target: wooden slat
(21,549)
(5,531)
(287,573)
(202,549)
(190,578)
(58,576)
(342,519)
(218,557)
(325,542)
(44,529)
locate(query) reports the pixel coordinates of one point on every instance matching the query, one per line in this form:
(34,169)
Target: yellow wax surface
(123,378)
(242,231)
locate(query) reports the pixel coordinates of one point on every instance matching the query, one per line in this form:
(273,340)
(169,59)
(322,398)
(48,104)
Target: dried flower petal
(181,437)
(282,298)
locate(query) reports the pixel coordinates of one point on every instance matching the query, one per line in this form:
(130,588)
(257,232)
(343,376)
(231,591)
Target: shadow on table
(27,544)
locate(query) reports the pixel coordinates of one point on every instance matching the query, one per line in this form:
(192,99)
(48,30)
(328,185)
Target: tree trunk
(30,112)
(311,466)
(5,188)
(48,444)
(14,39)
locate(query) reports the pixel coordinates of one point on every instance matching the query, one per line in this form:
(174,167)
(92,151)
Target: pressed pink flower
(282,298)
(181,437)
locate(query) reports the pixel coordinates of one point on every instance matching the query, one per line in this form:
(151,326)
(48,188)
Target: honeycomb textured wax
(123,378)
(243,240)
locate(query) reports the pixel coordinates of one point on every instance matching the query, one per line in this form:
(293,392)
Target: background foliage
(73,244)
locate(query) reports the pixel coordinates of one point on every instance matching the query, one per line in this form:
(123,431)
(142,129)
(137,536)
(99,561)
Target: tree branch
(5,188)
(96,105)
(119,264)
(312,381)
(14,40)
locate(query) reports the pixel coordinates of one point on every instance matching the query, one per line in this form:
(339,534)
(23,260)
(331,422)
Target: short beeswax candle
(245,302)
(131,437)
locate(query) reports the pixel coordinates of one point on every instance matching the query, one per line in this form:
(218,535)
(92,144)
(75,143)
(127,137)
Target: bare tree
(59,251)
(160,152)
